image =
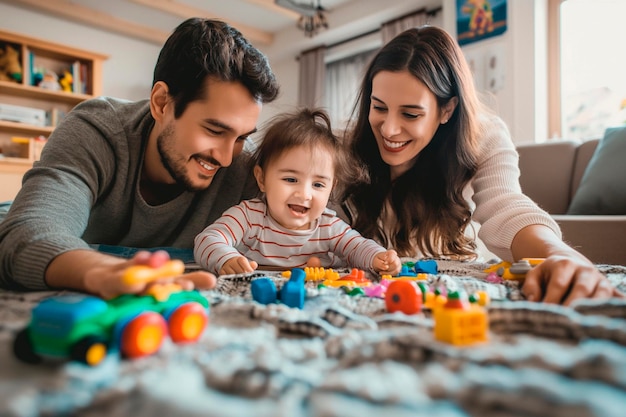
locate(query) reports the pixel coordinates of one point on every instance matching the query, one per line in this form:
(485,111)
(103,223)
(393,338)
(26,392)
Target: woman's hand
(561,279)
(110,280)
(387,262)
(238,265)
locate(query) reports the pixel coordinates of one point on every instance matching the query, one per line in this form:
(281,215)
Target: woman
(437,161)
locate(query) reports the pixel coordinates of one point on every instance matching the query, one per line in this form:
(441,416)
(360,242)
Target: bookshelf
(53,78)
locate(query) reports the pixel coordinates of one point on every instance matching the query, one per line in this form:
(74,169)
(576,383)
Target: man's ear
(258,174)
(159,99)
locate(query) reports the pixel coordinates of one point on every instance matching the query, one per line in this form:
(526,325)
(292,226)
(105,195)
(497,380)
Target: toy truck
(86,328)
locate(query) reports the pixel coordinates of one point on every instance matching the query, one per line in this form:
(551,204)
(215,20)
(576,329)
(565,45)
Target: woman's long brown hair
(428,199)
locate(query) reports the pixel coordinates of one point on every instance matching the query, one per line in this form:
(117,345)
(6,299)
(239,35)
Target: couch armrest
(602,239)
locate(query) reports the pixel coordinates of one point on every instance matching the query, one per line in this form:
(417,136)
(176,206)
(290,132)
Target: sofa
(553,172)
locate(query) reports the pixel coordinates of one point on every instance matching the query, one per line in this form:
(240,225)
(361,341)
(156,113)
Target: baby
(297,165)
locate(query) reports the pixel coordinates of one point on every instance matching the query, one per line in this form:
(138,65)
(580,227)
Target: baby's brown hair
(309,127)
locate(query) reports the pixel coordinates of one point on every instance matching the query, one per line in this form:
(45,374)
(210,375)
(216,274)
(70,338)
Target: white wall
(128,71)
(521,102)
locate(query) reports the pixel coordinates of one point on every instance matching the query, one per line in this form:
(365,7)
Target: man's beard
(175,164)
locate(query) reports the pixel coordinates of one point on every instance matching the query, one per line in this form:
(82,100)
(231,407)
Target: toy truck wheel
(143,335)
(187,322)
(404,296)
(23,348)
(91,350)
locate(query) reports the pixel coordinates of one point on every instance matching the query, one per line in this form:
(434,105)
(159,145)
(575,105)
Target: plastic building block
(355,278)
(320,274)
(291,293)
(263,290)
(404,296)
(426,266)
(85,328)
(460,323)
(405,271)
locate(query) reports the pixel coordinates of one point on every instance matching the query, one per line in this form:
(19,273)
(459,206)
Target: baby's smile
(298,209)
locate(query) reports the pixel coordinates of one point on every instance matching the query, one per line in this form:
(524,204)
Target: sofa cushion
(602,189)
(584,152)
(546,171)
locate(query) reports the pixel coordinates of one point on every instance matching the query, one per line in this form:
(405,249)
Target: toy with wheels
(86,328)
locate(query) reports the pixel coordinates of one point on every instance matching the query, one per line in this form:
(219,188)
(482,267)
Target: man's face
(208,135)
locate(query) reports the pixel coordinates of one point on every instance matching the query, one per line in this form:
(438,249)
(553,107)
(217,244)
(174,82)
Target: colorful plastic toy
(86,328)
(419,270)
(291,294)
(404,296)
(356,278)
(316,273)
(460,322)
(514,271)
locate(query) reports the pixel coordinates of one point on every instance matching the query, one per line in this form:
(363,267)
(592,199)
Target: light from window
(343,80)
(593,67)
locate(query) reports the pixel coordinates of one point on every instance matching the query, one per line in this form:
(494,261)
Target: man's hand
(238,265)
(102,275)
(387,262)
(563,279)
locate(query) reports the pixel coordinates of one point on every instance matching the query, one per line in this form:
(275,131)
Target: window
(343,80)
(593,67)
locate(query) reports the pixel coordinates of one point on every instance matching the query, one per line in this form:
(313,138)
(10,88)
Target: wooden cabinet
(52,79)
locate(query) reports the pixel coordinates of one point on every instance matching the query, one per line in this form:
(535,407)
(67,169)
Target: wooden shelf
(27,91)
(25,129)
(15,161)
(38,57)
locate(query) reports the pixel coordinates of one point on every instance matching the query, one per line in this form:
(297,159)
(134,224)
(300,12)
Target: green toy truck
(86,328)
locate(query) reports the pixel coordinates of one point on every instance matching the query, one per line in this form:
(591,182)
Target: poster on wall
(479,19)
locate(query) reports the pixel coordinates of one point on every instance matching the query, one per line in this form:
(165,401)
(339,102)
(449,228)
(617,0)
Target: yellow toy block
(339,283)
(460,323)
(316,274)
(418,277)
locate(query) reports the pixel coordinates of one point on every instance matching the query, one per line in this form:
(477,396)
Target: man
(142,174)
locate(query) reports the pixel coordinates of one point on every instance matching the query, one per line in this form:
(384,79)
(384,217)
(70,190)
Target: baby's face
(297,186)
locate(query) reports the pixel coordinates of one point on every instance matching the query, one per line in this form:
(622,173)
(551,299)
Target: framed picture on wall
(480,19)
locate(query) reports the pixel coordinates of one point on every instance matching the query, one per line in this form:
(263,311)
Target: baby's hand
(238,265)
(387,262)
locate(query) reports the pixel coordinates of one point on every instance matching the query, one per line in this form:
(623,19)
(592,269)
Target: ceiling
(265,24)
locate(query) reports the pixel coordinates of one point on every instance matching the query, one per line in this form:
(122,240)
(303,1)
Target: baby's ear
(258,174)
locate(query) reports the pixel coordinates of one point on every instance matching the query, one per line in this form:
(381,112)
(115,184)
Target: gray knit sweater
(85,190)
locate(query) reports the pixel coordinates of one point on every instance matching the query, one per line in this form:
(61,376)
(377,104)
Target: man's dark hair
(200,48)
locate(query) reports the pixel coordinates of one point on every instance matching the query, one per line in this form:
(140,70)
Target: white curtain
(343,79)
(312,75)
(392,28)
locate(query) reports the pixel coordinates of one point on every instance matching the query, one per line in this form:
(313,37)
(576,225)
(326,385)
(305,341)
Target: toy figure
(66,81)
(10,67)
(50,81)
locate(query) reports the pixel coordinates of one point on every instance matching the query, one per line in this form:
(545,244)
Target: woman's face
(404,117)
